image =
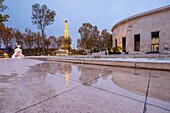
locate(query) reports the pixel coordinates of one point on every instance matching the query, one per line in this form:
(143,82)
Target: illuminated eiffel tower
(63,51)
(65,29)
(65,44)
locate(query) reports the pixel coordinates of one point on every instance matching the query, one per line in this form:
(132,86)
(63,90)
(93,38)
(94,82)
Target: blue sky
(102,13)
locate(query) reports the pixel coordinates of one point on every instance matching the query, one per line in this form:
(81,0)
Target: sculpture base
(18,56)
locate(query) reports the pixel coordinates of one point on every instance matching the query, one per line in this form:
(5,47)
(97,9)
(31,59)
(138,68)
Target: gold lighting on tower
(65,44)
(65,29)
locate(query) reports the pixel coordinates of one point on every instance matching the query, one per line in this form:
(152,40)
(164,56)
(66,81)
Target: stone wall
(144,24)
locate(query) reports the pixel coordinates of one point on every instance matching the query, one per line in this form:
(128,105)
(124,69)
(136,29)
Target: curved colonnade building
(144,32)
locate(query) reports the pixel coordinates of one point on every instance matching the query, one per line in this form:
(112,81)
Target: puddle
(47,80)
(128,79)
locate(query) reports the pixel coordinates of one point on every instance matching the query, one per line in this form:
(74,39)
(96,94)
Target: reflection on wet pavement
(42,82)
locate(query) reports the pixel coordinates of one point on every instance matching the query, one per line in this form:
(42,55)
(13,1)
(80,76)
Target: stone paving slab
(159,89)
(153,109)
(10,66)
(86,99)
(30,88)
(19,97)
(59,87)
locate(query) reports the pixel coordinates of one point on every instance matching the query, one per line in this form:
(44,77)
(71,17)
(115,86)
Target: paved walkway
(34,86)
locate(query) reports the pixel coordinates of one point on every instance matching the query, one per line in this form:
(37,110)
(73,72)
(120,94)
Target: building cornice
(140,15)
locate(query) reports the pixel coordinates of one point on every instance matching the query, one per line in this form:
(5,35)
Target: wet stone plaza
(35,86)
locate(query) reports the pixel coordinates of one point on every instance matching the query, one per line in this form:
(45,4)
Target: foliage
(77,52)
(47,43)
(59,42)
(6,34)
(111,50)
(89,36)
(29,39)
(53,41)
(3,17)
(63,43)
(42,17)
(37,41)
(115,50)
(66,43)
(18,36)
(3,54)
(106,39)
(96,50)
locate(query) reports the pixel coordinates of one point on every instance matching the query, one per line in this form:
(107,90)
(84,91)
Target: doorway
(137,42)
(124,44)
(115,42)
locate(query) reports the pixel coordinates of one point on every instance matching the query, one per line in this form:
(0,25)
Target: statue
(18,52)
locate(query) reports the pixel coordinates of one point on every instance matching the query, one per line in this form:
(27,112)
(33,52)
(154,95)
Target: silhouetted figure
(9,50)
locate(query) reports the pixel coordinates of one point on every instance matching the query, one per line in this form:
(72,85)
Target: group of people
(17,51)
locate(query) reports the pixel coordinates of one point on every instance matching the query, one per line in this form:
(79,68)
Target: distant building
(144,32)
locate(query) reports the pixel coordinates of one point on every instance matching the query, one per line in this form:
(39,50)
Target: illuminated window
(155,41)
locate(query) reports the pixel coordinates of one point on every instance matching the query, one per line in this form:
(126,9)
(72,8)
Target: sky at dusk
(101,13)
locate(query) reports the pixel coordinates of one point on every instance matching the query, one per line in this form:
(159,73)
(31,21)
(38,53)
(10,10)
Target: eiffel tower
(63,50)
(65,45)
(66,29)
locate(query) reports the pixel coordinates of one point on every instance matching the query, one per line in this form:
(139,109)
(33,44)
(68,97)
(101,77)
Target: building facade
(144,32)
